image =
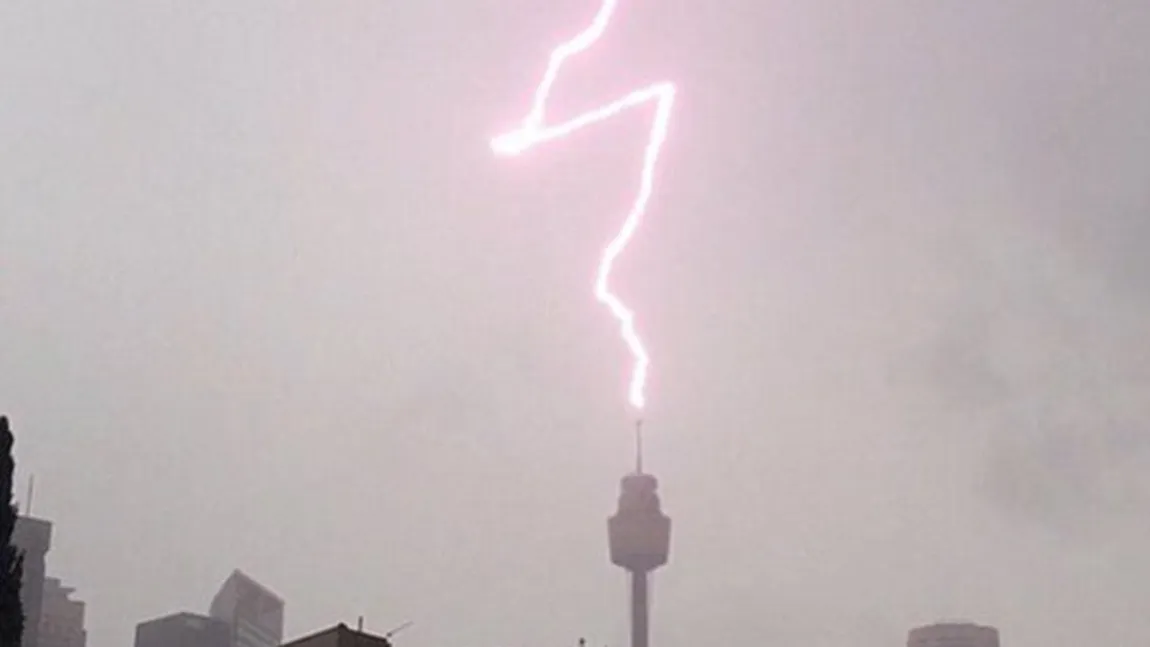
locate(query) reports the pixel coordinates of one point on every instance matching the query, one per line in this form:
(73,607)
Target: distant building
(33,537)
(254,613)
(61,618)
(340,636)
(183,630)
(953,634)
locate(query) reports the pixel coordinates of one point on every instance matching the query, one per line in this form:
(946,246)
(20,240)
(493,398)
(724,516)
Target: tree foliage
(11,561)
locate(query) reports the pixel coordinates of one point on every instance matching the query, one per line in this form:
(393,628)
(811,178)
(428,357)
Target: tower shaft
(639,609)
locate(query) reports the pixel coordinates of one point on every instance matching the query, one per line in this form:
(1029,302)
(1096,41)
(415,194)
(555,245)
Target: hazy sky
(267,301)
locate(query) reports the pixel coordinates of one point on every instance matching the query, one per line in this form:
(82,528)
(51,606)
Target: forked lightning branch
(537,129)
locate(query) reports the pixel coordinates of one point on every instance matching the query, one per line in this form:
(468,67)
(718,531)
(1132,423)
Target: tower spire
(639,446)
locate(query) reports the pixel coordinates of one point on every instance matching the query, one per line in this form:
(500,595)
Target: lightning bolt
(535,130)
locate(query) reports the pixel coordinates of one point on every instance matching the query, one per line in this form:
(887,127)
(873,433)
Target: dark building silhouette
(640,538)
(183,630)
(340,636)
(254,614)
(32,537)
(61,617)
(953,634)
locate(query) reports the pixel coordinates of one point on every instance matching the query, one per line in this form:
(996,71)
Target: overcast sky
(268,301)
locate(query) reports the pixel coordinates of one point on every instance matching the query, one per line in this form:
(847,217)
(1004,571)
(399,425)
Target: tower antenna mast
(639,446)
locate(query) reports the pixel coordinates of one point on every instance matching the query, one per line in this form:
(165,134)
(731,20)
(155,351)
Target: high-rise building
(183,630)
(33,538)
(340,636)
(254,613)
(61,618)
(953,634)
(640,539)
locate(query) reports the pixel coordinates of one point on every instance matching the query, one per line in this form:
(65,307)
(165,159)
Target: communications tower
(640,538)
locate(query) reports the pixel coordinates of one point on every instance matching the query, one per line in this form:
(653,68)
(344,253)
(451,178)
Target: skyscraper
(61,618)
(183,630)
(254,613)
(953,634)
(640,538)
(33,537)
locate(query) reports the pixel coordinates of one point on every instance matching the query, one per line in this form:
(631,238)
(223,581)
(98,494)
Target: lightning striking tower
(640,539)
(639,533)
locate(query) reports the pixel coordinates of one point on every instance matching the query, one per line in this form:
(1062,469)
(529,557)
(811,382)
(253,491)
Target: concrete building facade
(33,538)
(183,630)
(953,634)
(254,613)
(61,617)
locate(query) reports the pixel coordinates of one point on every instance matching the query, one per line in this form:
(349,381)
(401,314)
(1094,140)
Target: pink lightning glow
(535,130)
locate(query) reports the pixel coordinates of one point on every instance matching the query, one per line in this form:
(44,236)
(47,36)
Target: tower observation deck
(640,539)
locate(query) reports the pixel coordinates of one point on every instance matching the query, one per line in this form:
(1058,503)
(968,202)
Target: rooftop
(340,636)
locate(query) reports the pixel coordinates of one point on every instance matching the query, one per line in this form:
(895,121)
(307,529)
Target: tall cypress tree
(11,561)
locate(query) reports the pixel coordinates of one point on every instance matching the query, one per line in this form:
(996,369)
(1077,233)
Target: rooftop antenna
(398,629)
(359,624)
(639,446)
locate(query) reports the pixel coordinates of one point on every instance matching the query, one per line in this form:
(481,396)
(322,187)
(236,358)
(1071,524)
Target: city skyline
(268,300)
